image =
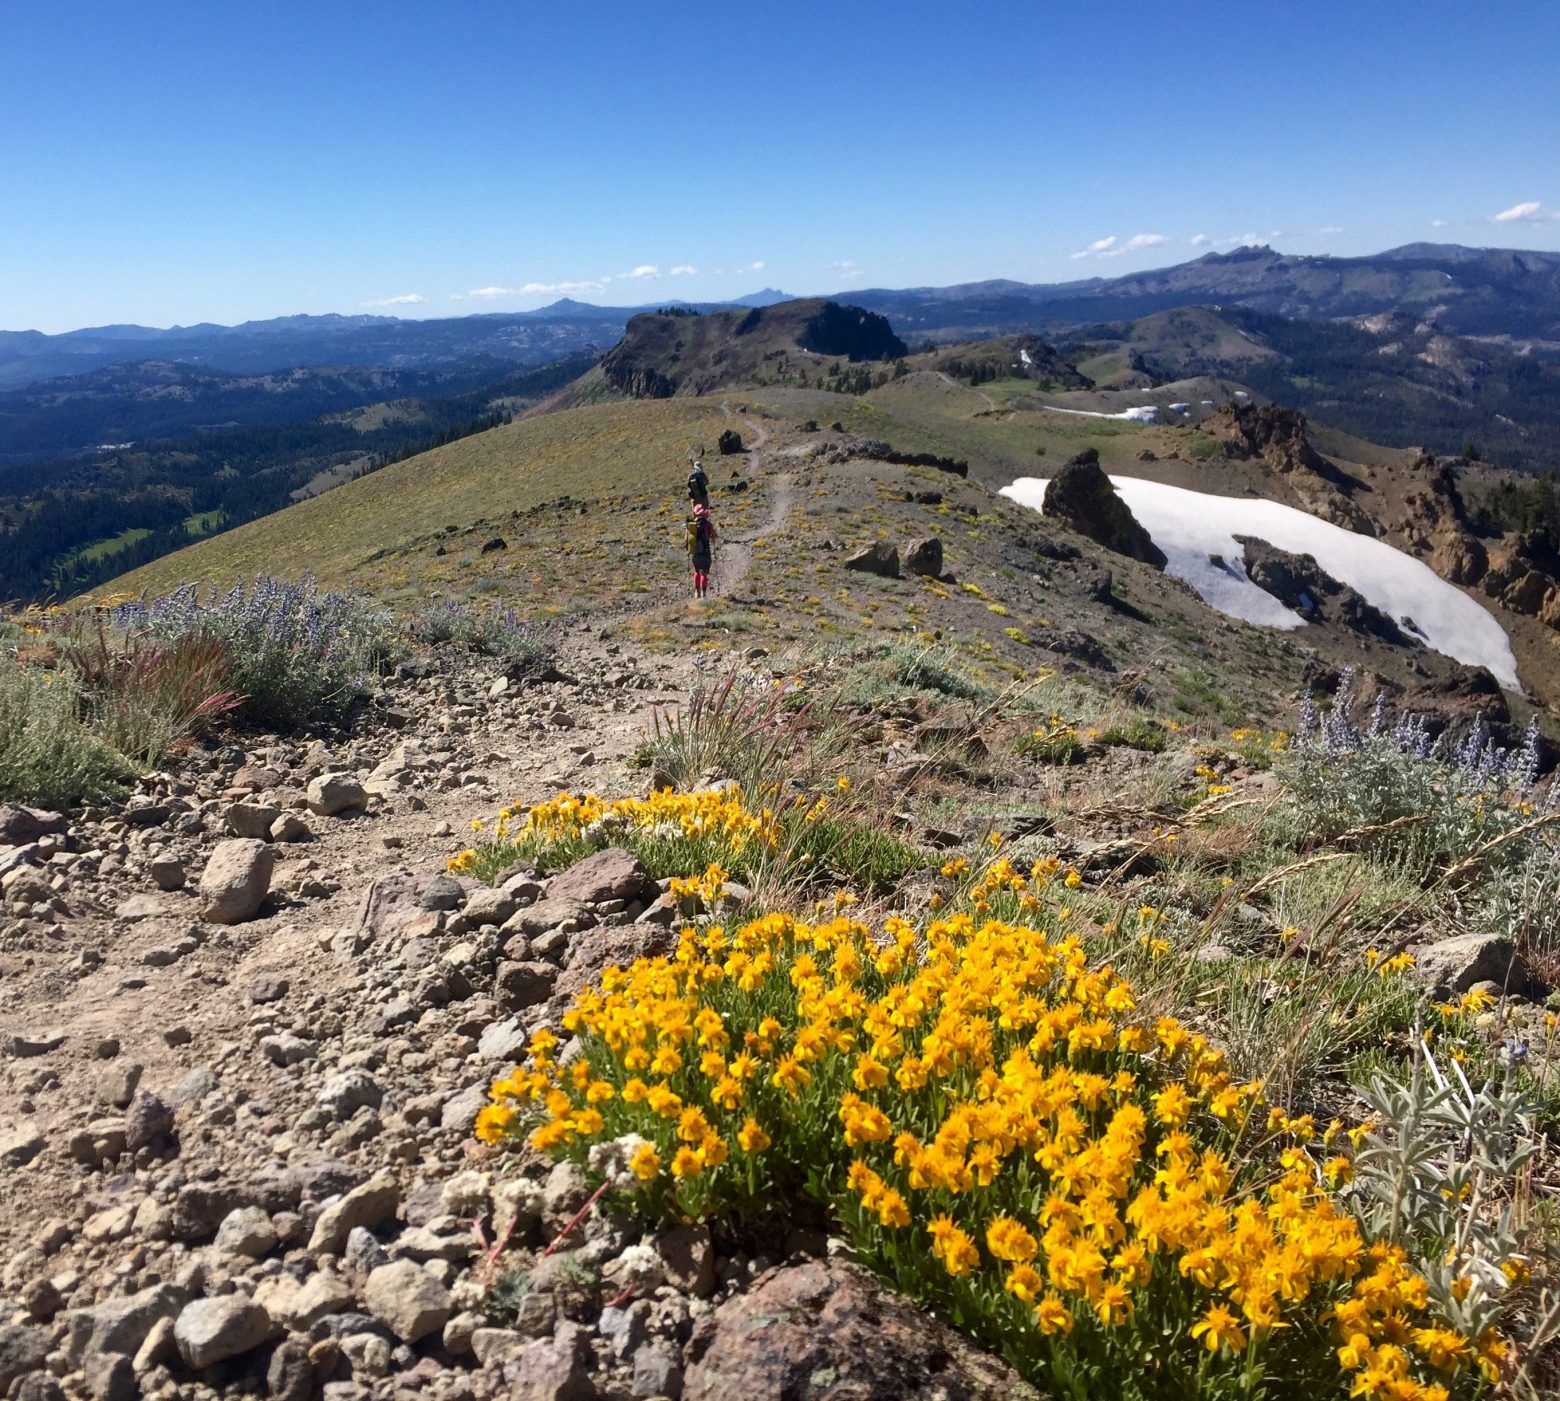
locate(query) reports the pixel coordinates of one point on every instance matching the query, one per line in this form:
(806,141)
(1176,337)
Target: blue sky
(172,162)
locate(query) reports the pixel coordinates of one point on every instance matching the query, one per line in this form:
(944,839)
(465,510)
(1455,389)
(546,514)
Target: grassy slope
(588,453)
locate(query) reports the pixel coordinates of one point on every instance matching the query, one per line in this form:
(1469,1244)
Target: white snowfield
(1146,413)
(1192,526)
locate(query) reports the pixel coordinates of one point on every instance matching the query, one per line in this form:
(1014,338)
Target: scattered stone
(289,827)
(555,1368)
(247,1231)
(148,1118)
(503,1041)
(442,893)
(23,1349)
(167,872)
(20,825)
(236,880)
(119,1325)
(21,1145)
(368,1206)
(110,1377)
(251,820)
(688,1257)
(157,1349)
(268,987)
(213,1330)
(348,1091)
(290,1375)
(522,985)
(831,1320)
(658,1370)
(1456,964)
(613,874)
(332,794)
(24,1045)
(407,1299)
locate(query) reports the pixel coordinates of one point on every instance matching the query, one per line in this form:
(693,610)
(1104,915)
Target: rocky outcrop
(924,557)
(830,1329)
(1277,438)
(877,558)
(1300,583)
(1081,496)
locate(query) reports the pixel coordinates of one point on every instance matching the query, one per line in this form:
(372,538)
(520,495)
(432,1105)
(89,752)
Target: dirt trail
(734,558)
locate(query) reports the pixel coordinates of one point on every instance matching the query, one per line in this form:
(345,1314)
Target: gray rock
(879,558)
(119,1325)
(503,1041)
(407,1299)
(110,1377)
(142,906)
(832,1329)
(289,827)
(363,1254)
(488,906)
(23,1349)
(167,872)
(213,1330)
(290,1375)
(38,1386)
(21,1145)
(555,1368)
(658,1370)
(1456,964)
(613,874)
(924,557)
(101,1141)
(459,1114)
(285,1049)
(442,893)
(524,984)
(251,820)
(248,1232)
(348,1091)
(201,1207)
(332,794)
(369,1205)
(300,1306)
(20,825)
(26,1044)
(688,1254)
(236,880)
(157,1349)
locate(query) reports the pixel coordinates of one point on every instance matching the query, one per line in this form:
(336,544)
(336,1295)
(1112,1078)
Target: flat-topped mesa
(1082,496)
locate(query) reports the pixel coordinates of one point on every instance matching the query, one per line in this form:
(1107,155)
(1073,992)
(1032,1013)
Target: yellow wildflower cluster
(705,889)
(720,813)
(998,1129)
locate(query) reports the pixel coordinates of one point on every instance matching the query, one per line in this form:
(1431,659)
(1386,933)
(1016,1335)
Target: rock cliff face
(1299,582)
(1081,496)
(1276,437)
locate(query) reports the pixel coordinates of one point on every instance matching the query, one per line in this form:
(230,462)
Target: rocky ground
(247,1023)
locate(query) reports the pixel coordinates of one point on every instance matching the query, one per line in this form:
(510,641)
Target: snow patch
(1146,413)
(1195,527)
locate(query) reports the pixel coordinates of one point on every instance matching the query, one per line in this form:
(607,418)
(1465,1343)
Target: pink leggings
(701,580)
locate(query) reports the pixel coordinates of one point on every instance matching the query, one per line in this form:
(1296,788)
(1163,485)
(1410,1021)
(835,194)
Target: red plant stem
(621,1299)
(579,1216)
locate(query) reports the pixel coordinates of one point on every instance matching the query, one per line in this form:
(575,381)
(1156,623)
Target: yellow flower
(1218,1329)
(1053,1316)
(1008,1240)
(751,1137)
(645,1162)
(686,1163)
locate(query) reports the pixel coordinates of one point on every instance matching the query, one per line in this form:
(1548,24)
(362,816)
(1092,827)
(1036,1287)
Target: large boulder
(23,1349)
(119,1325)
(878,558)
(1456,964)
(1082,496)
(332,794)
(827,1329)
(236,880)
(20,825)
(924,557)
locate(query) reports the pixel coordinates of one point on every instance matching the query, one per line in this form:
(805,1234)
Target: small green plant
(1057,743)
(47,755)
(1137,733)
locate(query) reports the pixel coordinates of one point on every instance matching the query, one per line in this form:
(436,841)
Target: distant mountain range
(1508,296)
(501,339)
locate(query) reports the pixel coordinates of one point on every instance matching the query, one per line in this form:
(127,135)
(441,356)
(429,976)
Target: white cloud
(1198,240)
(405,299)
(1111,247)
(1528,212)
(685,270)
(1438,223)
(493,292)
(644,270)
(1328,230)
(757,266)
